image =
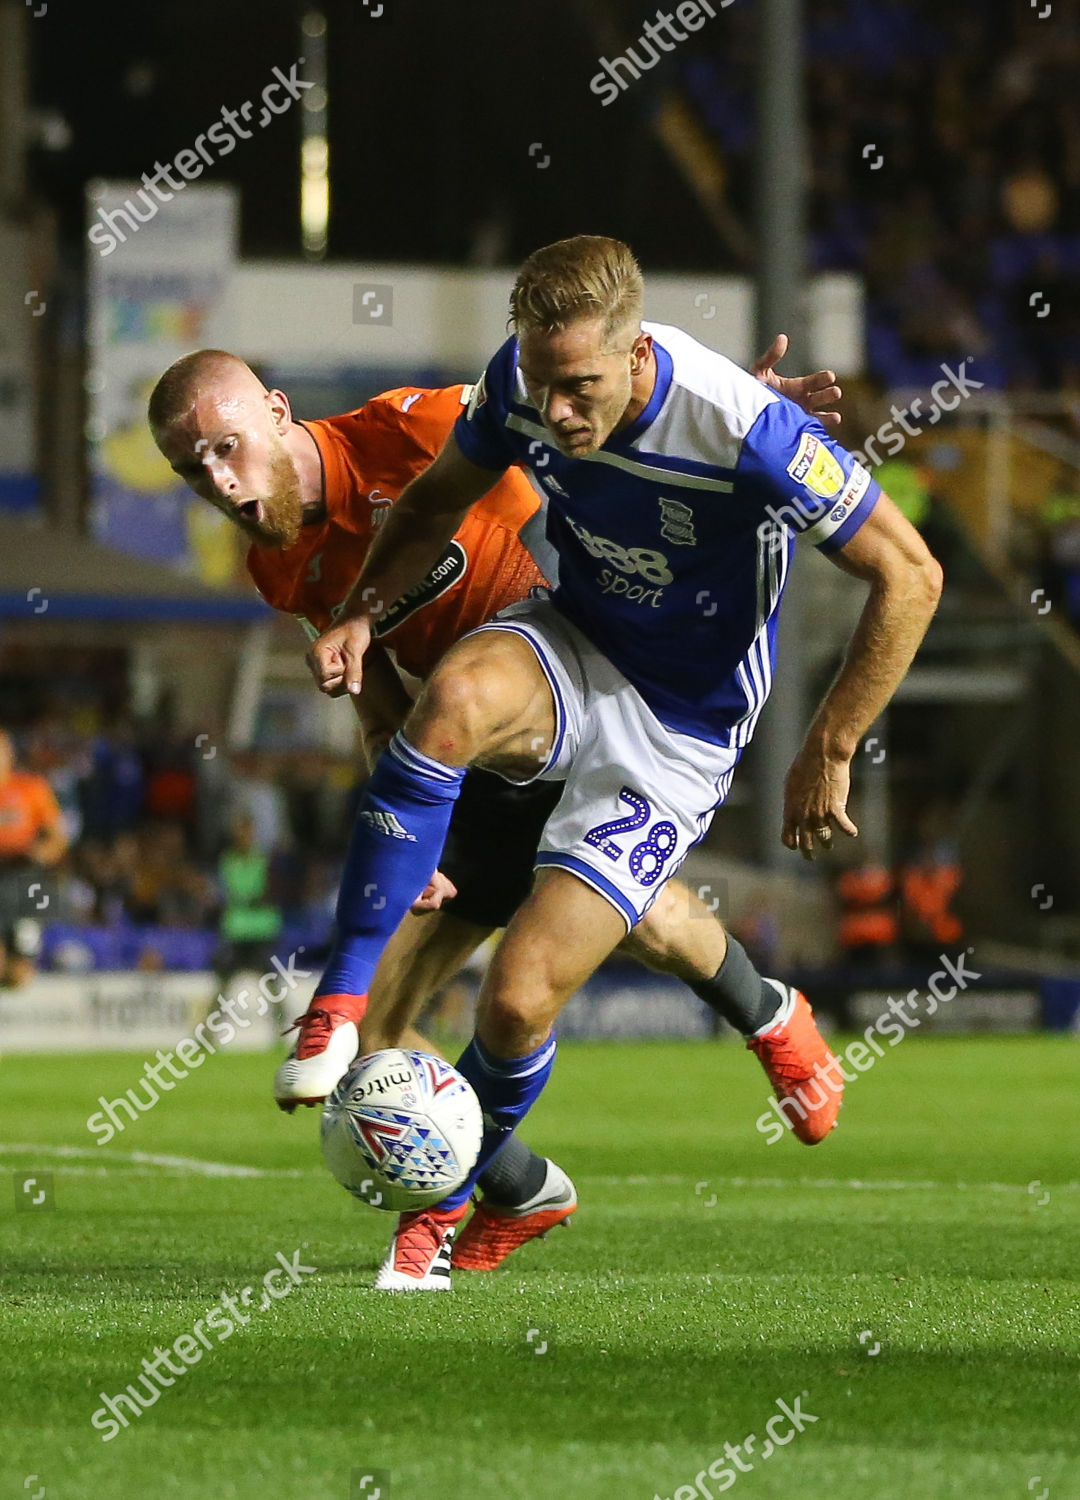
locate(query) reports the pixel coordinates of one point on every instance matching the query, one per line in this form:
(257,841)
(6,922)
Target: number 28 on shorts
(651,854)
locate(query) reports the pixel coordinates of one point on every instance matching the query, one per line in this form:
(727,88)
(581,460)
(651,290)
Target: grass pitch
(915,1282)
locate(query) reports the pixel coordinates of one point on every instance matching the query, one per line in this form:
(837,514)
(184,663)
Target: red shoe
(493,1233)
(801,1069)
(419,1256)
(329,1040)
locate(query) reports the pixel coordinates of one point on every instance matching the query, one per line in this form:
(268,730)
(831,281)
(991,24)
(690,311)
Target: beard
(281,508)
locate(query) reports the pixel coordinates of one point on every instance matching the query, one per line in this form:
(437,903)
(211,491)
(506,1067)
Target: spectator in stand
(869,921)
(929,882)
(163,887)
(32,842)
(55,752)
(170,793)
(114,791)
(76,896)
(256,794)
(905,485)
(1029,198)
(142,876)
(316,907)
(110,868)
(250,919)
(188,897)
(945,144)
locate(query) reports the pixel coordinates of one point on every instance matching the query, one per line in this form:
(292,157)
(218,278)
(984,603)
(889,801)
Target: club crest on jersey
(477,398)
(380,507)
(816,468)
(677,523)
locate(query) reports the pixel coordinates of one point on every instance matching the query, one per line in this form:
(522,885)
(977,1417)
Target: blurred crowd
(945,160)
(134,847)
(166,834)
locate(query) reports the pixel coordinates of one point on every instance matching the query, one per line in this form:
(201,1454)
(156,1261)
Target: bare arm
(905,585)
(383,705)
(413,538)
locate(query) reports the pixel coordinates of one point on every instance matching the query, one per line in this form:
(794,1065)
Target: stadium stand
(959,215)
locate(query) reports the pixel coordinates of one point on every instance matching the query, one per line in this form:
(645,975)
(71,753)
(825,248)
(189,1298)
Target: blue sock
(507,1088)
(394,850)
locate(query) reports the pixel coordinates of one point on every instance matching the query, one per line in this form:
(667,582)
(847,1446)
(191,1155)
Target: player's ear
(639,352)
(280,410)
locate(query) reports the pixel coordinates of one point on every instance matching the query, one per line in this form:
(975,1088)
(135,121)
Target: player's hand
(815,800)
(438,889)
(814,393)
(337,657)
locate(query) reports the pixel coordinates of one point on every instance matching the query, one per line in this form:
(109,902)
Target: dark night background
(433,109)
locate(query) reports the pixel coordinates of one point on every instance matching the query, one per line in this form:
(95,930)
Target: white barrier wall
(319,317)
(137,1012)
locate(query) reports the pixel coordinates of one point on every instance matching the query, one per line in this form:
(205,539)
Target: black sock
(738,993)
(513,1176)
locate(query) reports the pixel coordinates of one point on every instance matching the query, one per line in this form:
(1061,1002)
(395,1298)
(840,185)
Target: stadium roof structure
(59,575)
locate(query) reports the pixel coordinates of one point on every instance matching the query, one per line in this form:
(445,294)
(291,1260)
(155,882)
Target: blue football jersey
(674,539)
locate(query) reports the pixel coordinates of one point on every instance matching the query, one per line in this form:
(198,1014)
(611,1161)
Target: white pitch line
(182,1164)
(850,1184)
(70,1170)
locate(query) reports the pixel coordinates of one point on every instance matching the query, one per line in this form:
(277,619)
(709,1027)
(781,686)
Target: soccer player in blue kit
(675,486)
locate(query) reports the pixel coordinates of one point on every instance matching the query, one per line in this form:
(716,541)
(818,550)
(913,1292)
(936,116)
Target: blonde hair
(589,276)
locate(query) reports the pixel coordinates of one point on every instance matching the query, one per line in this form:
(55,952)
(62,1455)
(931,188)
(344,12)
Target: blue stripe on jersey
(675,539)
(685,473)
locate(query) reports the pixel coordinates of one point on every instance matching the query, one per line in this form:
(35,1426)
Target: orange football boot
(494,1232)
(804,1074)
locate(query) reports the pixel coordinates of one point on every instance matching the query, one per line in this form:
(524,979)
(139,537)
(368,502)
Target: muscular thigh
(487,703)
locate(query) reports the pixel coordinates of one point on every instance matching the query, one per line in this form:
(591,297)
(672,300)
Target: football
(401,1129)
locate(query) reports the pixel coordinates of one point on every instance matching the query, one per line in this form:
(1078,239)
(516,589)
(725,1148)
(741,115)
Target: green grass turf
(673,1323)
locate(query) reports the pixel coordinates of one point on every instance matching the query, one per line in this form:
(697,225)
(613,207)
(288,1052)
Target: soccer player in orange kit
(32,839)
(310,496)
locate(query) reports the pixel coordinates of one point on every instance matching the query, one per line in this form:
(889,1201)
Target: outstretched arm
(413,538)
(905,585)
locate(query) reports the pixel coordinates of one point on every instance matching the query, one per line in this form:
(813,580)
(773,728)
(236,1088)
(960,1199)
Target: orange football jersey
(27,807)
(368,457)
